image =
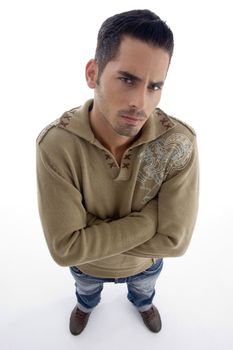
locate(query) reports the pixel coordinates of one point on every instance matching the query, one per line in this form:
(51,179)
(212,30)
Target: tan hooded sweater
(111,220)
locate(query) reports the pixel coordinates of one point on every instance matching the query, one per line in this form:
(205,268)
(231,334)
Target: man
(118,177)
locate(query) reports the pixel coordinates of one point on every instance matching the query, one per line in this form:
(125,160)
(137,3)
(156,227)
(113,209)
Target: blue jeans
(141,287)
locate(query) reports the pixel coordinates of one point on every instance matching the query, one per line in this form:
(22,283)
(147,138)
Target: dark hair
(139,24)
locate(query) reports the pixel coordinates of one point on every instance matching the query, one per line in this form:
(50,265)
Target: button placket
(110,160)
(125,164)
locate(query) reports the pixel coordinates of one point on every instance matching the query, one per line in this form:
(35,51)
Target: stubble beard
(127,130)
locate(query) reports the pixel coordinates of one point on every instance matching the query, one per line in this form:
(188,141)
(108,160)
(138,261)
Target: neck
(105,134)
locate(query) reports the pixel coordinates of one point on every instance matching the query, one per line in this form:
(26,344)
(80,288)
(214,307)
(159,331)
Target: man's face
(129,87)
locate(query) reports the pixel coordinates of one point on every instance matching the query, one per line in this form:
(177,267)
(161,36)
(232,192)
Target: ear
(91,73)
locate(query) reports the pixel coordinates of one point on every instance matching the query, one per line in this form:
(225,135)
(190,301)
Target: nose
(138,98)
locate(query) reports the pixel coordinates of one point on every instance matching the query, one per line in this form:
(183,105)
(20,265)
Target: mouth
(131,119)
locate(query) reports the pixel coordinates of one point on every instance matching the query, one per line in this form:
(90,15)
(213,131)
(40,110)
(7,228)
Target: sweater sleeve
(70,239)
(177,212)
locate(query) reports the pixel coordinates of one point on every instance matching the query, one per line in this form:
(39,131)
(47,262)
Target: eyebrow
(135,78)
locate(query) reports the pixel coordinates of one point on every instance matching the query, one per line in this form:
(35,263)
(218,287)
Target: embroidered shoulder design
(62,122)
(184,124)
(160,158)
(46,129)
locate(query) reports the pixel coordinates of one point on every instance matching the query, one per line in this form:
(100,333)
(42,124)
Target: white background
(44,48)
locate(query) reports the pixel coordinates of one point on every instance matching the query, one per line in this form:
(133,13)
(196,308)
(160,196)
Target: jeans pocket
(75,271)
(155,268)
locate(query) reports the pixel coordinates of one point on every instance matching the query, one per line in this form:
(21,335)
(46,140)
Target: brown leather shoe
(152,319)
(78,321)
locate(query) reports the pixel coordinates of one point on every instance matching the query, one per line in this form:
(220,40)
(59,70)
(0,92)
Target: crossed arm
(167,221)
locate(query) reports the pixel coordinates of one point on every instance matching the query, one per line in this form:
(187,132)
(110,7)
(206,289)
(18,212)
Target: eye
(155,87)
(126,80)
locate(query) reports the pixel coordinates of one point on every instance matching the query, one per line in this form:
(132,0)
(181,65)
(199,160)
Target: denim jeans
(141,287)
